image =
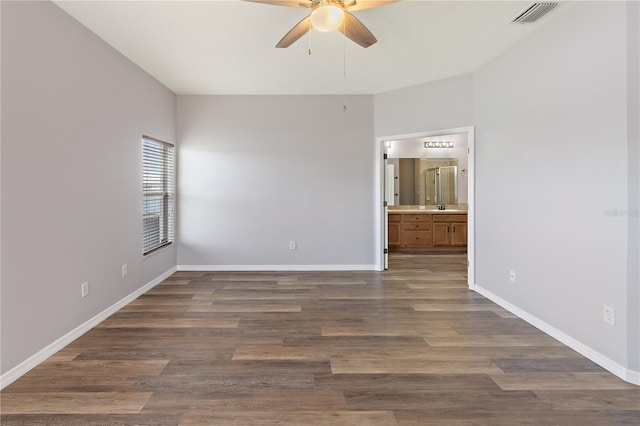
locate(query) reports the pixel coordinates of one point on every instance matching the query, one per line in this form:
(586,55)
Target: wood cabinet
(459,236)
(393,233)
(450,230)
(427,232)
(416,231)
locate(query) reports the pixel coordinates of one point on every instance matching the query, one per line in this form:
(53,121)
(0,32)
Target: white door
(389,200)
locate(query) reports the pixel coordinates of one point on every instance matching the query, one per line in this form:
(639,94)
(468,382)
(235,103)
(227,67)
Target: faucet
(441,206)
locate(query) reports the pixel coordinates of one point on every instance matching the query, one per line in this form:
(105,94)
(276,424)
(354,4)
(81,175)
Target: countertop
(431,209)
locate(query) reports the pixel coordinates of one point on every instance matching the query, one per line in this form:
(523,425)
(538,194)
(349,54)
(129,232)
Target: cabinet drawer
(415,226)
(450,218)
(416,239)
(408,218)
(395,217)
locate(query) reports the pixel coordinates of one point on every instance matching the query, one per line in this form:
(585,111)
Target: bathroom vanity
(427,229)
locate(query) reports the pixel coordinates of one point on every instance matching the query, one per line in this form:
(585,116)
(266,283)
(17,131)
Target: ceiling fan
(327,15)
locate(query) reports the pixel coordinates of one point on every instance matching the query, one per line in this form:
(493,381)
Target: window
(157,194)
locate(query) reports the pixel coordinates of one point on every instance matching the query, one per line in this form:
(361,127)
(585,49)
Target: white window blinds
(158,183)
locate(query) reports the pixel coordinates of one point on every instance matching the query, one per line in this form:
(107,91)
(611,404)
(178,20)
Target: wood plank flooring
(409,346)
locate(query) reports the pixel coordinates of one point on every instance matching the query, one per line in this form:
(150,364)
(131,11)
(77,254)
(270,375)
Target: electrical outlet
(512,276)
(84,289)
(124,270)
(608,315)
(292,245)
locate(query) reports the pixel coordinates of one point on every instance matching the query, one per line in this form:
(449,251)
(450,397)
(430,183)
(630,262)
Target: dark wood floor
(410,346)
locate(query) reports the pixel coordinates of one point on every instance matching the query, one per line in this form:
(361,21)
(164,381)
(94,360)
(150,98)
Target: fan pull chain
(309,35)
(344,64)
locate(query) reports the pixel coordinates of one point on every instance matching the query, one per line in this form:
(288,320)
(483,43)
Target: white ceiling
(227,46)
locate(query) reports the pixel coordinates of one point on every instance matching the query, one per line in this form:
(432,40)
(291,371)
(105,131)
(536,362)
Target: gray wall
(551,175)
(256,172)
(73,113)
(633,138)
(443,104)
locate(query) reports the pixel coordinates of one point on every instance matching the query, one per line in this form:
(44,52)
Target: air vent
(534,12)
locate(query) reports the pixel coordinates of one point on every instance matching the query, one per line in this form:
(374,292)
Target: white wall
(256,172)
(545,188)
(444,104)
(73,113)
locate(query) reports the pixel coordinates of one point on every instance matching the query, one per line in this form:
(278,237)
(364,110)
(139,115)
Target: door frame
(380,234)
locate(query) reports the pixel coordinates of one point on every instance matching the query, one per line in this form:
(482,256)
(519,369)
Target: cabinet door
(394,234)
(459,234)
(441,234)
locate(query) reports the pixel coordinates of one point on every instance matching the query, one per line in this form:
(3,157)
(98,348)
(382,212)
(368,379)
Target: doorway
(381,186)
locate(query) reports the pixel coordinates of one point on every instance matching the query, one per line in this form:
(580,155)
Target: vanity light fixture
(438,144)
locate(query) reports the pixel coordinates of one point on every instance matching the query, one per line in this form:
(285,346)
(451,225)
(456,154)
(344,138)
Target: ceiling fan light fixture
(327,17)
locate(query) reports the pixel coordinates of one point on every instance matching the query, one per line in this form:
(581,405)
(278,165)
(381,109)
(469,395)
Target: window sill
(157,250)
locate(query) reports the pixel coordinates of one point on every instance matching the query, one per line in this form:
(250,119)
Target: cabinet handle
(447,229)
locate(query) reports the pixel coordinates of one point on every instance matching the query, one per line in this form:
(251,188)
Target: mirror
(423,172)
(424,181)
(441,181)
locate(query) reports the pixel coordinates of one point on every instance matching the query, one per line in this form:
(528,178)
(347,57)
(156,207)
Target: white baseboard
(33,361)
(595,356)
(633,377)
(278,268)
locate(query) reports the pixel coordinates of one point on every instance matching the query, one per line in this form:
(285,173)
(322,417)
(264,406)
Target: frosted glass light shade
(327,18)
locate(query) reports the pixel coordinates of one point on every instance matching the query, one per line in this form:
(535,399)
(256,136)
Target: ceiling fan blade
(287,3)
(356,31)
(365,4)
(295,33)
